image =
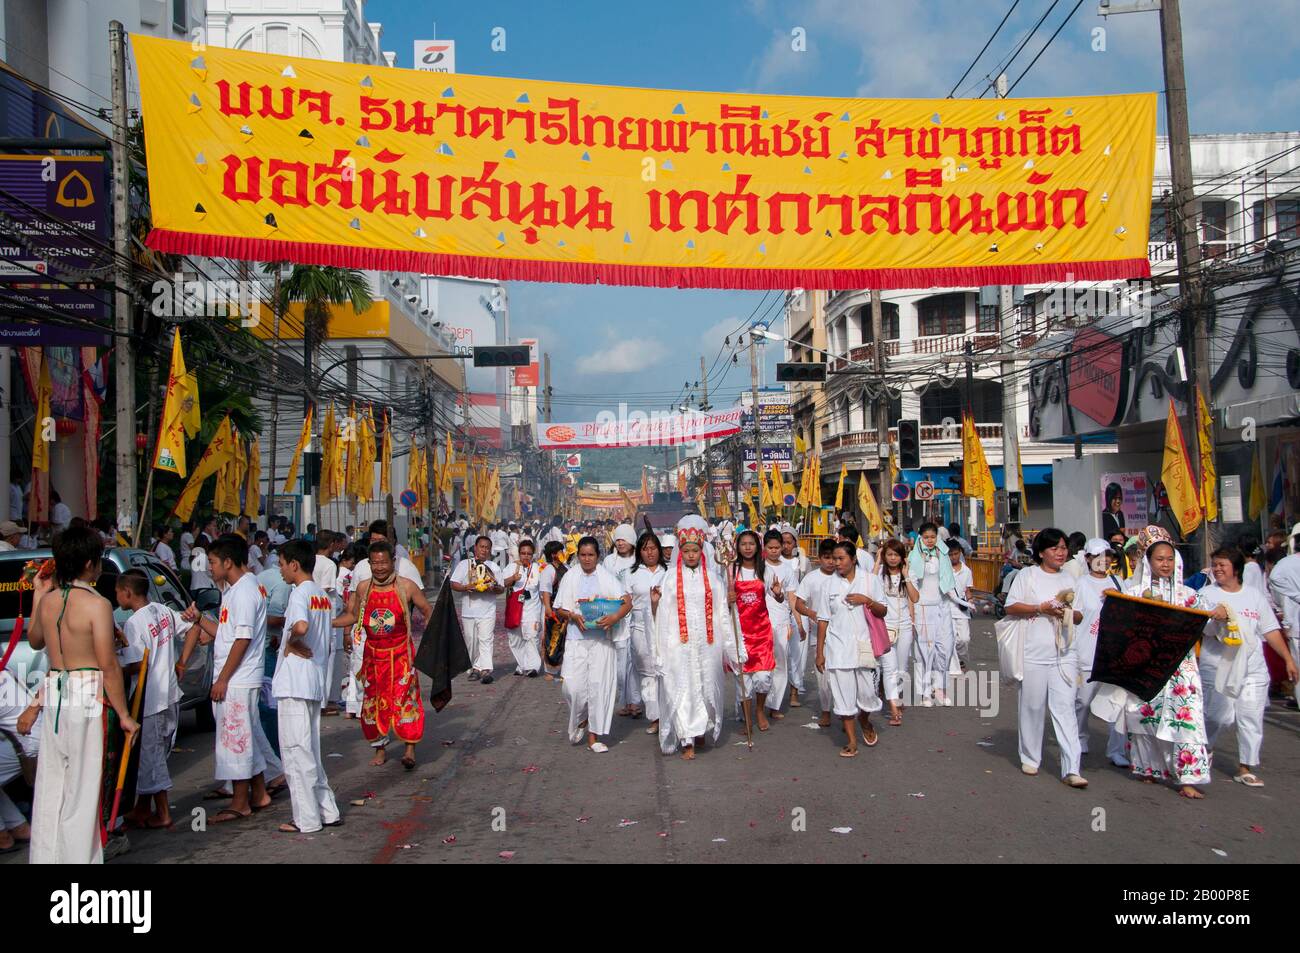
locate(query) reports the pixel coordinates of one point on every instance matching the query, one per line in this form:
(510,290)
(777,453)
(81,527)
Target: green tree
(318,287)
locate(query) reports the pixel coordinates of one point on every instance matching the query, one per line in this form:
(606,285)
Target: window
(988,318)
(946,403)
(1259,221)
(1214,220)
(1288,218)
(180,15)
(942,314)
(888,321)
(1162,227)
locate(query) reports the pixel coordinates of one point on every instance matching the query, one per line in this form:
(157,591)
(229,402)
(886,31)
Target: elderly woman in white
(590,655)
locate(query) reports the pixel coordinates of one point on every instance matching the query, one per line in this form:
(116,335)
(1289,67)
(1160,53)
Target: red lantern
(63,426)
(141,441)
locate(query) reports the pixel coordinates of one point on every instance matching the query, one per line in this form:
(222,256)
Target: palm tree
(318,287)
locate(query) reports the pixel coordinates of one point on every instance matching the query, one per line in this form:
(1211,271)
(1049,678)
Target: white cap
(1096,547)
(669,541)
(625,532)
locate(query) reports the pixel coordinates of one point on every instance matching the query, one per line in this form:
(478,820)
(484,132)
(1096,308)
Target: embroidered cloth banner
(267,157)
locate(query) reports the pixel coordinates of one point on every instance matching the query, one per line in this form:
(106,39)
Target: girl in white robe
(644,583)
(782,581)
(901,671)
(1088,599)
(590,664)
(525,577)
(693,636)
(931,572)
(1167,738)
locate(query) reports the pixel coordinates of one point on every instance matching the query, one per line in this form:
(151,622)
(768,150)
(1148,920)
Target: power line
(991,38)
(1067,19)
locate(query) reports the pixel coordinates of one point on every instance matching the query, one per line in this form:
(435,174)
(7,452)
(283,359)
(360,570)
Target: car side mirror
(207,600)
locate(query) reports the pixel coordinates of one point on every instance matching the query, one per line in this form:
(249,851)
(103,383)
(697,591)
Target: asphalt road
(498,783)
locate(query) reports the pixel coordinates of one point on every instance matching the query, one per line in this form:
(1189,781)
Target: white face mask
(1099,563)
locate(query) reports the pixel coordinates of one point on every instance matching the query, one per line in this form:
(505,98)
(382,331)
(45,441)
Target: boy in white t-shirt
(299,687)
(157,628)
(240,637)
(959,604)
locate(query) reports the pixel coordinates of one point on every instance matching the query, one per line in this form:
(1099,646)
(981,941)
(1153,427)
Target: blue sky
(646,343)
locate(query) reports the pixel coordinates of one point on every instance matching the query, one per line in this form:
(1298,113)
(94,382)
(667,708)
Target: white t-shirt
(812,589)
(847,624)
(255,557)
(165,555)
(620,566)
(546,580)
(639,584)
(187,544)
(295,676)
(1252,577)
(963,579)
(475,605)
(780,611)
(898,599)
(529,581)
(243,616)
(325,573)
(1034,585)
(14,699)
(159,629)
(61,515)
(1247,603)
(1088,600)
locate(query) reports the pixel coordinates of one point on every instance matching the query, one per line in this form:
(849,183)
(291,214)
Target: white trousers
(589,673)
(239,756)
(960,644)
(1117,737)
(756,683)
(309,788)
(10,816)
(890,675)
(824,692)
(354,692)
(933,646)
(65,809)
(338,664)
(853,690)
(1049,689)
(780,674)
(799,654)
(906,665)
(628,689)
(643,668)
(524,643)
(1245,712)
(478,640)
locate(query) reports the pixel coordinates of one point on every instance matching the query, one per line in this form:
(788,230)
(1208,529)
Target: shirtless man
(74,624)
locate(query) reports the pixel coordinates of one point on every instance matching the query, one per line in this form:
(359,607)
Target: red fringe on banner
(655,276)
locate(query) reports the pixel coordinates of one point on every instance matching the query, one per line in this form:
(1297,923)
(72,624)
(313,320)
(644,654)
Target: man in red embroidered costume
(391,703)
(693,637)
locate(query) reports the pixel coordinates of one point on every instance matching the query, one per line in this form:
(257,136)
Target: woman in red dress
(747,594)
(384,604)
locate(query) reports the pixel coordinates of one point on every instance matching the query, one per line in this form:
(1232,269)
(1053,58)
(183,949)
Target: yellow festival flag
(799,445)
(193,417)
(304,439)
(230,479)
(681,483)
(629,507)
(700,502)
(815,485)
(386,457)
(839,489)
(1205,446)
(976,475)
(867,504)
(273,157)
(219,453)
(753,513)
(1176,474)
(44,394)
(338,471)
(253,483)
(804,483)
(329,436)
(1258,495)
(893,466)
(178,408)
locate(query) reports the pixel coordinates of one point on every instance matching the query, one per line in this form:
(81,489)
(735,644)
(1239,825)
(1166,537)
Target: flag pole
(130,739)
(139,524)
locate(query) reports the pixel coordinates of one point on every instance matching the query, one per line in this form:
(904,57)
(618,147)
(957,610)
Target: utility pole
(1010,387)
(704,384)
(124,358)
(882,400)
(469,454)
(546,394)
(275,396)
(970,409)
(758,427)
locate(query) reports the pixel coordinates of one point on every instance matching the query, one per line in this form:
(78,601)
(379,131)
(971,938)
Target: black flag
(442,654)
(1141,643)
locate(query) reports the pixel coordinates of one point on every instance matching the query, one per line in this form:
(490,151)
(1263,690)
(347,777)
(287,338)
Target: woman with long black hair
(747,595)
(548,582)
(644,581)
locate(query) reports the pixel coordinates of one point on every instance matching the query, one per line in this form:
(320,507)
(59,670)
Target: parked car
(164,587)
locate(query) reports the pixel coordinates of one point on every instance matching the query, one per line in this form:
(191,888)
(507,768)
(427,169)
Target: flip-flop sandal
(261,807)
(895,721)
(16,845)
(289,828)
(846,753)
(274,789)
(338,823)
(227,814)
(1249,780)
(875,737)
(216,796)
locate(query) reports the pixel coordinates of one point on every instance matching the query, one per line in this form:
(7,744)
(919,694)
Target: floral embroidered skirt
(392,693)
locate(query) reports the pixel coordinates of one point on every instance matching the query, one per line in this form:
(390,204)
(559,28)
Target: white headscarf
(625,532)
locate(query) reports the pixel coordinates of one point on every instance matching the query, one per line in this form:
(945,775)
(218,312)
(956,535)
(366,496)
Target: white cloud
(625,356)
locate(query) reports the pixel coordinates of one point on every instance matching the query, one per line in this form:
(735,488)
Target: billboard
(435,56)
(782,456)
(528,376)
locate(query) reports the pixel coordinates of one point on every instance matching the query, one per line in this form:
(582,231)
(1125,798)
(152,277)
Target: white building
(1249,191)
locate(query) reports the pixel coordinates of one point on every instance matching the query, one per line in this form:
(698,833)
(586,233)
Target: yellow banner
(1176,474)
(977,476)
(261,156)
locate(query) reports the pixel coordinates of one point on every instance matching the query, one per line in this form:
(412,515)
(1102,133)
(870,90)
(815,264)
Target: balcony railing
(866,439)
(951,344)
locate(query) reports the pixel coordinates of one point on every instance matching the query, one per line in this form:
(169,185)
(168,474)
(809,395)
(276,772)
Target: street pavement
(498,782)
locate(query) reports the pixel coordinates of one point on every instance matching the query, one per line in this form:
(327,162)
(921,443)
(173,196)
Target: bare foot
(762,721)
(1191,793)
(825,720)
(381,755)
(775,715)
(688,754)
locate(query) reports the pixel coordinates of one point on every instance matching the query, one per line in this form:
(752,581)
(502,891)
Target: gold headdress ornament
(690,534)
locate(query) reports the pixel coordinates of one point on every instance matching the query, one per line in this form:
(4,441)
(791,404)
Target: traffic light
(797,371)
(958,477)
(507,355)
(909,445)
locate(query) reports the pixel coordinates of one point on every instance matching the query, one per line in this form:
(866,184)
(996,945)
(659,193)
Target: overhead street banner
(637,430)
(268,157)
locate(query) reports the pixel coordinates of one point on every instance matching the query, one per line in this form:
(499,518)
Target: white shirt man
(159,629)
(478,610)
(239,756)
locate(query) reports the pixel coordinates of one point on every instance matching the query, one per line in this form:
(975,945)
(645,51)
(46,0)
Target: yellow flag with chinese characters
(169,453)
(1176,474)
(304,439)
(219,453)
(976,474)
(867,504)
(1209,472)
(839,489)
(253,482)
